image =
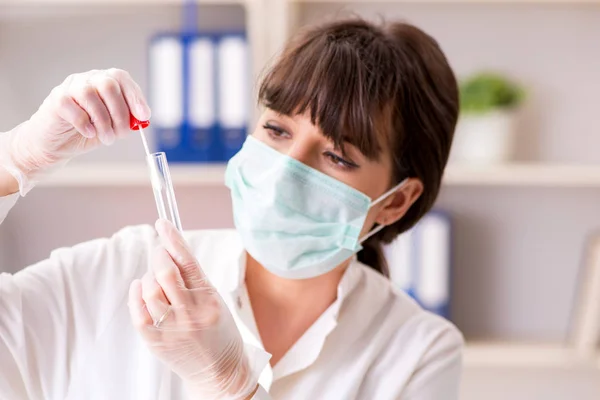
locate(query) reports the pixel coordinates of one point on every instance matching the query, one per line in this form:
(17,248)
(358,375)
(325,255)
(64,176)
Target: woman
(348,153)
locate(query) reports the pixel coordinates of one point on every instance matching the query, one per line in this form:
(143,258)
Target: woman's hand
(84,111)
(187,325)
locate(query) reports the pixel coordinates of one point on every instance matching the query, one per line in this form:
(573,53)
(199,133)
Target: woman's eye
(275,131)
(340,162)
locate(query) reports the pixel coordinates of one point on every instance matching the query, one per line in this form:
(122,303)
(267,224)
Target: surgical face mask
(294,220)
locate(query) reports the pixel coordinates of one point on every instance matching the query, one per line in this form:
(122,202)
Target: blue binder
(234,92)
(199,87)
(432,263)
(165,58)
(201,95)
(199,90)
(420,262)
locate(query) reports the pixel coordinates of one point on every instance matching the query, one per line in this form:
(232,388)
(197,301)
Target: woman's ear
(395,206)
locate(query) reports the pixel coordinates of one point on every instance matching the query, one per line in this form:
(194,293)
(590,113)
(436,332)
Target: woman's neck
(292,293)
(284,309)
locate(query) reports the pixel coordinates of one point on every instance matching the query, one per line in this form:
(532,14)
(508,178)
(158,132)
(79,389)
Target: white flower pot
(484,139)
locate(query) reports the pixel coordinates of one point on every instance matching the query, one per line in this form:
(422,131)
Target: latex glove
(187,325)
(86,110)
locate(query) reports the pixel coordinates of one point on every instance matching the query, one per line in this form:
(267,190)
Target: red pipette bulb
(135,124)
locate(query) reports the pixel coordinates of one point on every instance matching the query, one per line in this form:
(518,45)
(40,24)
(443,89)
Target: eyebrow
(345,139)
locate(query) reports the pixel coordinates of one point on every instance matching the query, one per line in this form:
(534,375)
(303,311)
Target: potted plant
(485,132)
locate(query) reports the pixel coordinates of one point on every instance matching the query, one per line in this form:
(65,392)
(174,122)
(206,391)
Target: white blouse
(65,331)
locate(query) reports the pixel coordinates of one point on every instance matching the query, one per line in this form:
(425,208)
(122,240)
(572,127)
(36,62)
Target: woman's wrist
(9,166)
(233,382)
(8,183)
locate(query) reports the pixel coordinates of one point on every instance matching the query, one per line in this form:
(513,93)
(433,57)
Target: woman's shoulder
(137,241)
(213,248)
(129,240)
(408,347)
(403,316)
(411,351)
(202,242)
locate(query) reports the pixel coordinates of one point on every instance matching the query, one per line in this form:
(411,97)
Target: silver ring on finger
(162,318)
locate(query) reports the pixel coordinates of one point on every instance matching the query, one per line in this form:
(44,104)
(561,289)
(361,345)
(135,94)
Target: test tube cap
(135,124)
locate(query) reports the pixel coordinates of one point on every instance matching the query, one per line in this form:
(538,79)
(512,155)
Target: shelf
(529,175)
(516,175)
(128,174)
(551,355)
(450,1)
(115,2)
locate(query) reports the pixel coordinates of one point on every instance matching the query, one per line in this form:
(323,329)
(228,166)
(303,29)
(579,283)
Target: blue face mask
(294,220)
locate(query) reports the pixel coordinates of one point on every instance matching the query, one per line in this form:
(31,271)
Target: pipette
(160,177)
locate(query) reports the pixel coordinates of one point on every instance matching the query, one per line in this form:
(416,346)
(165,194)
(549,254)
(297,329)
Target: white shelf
(128,174)
(518,175)
(533,355)
(115,2)
(538,175)
(449,1)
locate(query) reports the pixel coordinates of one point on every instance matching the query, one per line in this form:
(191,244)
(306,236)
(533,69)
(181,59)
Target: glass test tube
(163,188)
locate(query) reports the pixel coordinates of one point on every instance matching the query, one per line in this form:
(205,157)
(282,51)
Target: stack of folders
(420,262)
(199,91)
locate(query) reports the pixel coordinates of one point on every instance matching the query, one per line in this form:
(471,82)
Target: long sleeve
(51,312)
(6,203)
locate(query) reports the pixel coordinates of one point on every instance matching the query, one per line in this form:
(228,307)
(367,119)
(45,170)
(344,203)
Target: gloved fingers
(156,302)
(168,277)
(132,93)
(140,316)
(173,242)
(111,94)
(72,113)
(192,309)
(88,98)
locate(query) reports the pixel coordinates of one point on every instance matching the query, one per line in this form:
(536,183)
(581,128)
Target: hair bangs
(331,79)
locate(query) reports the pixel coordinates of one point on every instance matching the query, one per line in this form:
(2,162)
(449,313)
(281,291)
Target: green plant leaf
(487,91)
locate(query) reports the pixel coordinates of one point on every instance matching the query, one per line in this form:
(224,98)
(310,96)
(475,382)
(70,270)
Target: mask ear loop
(371,233)
(379,200)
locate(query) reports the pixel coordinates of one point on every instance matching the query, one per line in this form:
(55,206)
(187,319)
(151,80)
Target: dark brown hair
(373,86)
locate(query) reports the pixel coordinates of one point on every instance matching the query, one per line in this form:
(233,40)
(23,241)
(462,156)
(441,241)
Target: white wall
(530,384)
